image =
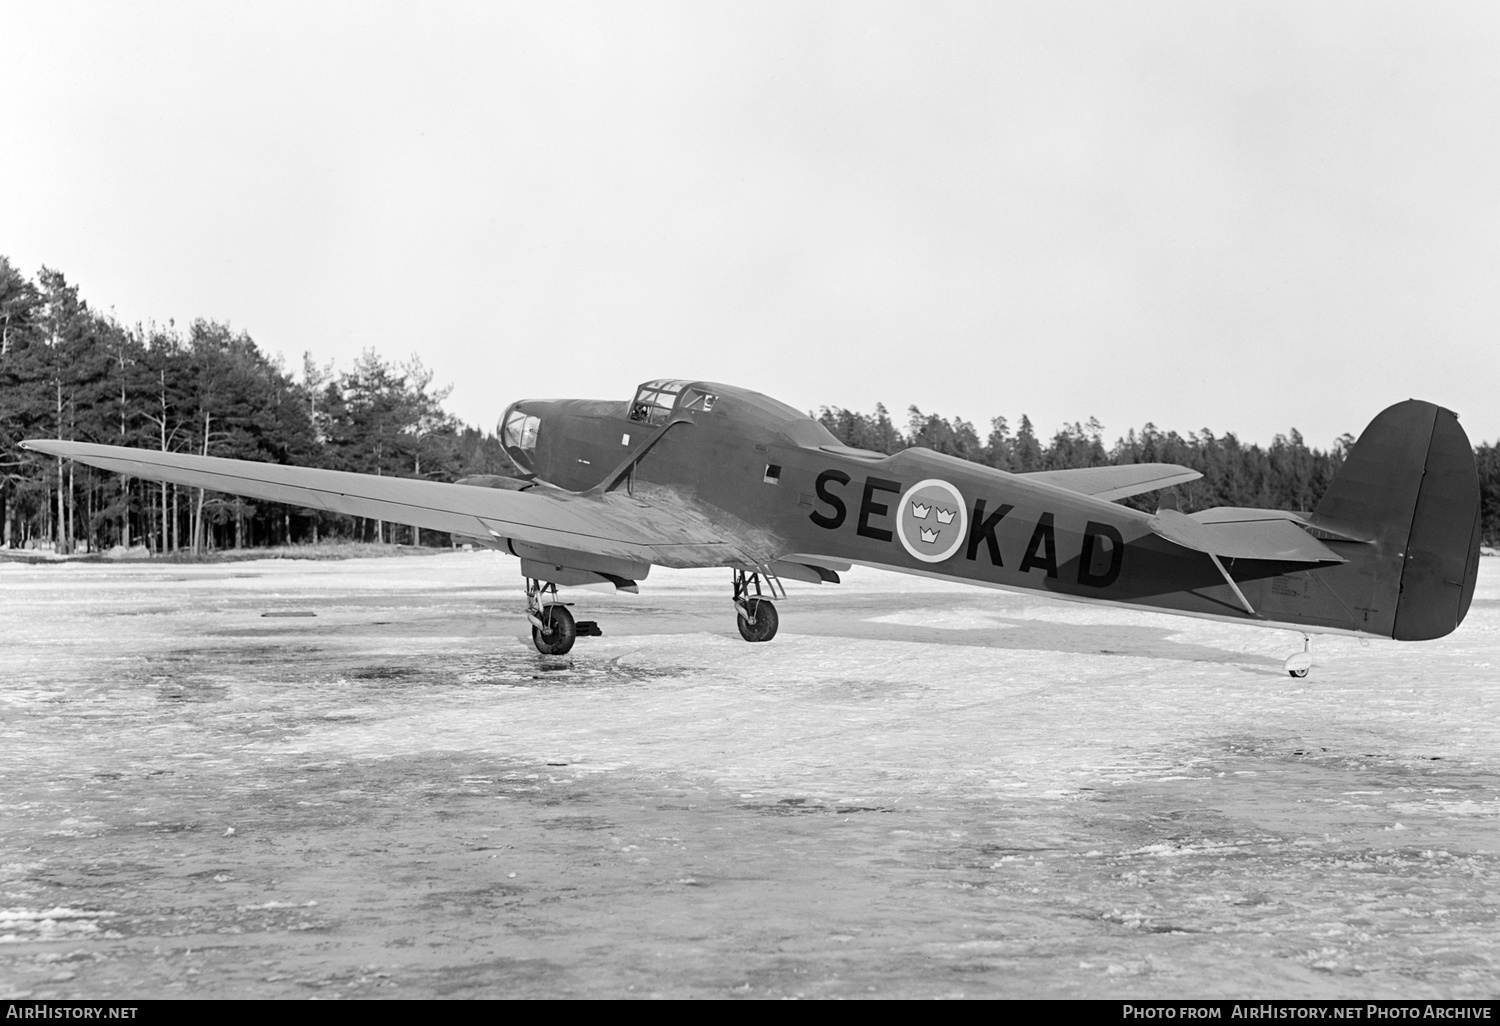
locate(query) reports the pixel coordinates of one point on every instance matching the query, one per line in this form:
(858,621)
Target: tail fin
(1411,486)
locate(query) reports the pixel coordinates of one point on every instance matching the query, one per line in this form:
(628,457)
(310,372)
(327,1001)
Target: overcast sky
(1240,216)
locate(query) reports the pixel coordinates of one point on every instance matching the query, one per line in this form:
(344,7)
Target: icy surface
(284,777)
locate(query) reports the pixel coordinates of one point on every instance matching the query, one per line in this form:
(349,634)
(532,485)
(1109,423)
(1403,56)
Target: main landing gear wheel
(557,633)
(765,620)
(754,614)
(1298,663)
(552,628)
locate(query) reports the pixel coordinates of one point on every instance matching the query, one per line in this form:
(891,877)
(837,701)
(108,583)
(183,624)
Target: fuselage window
(699,401)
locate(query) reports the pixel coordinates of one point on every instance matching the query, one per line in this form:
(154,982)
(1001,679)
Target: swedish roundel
(931,523)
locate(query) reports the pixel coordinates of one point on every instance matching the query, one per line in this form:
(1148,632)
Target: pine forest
(67,371)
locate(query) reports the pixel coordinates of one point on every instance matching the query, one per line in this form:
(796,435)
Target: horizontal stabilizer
(1116,482)
(1278,540)
(1318,526)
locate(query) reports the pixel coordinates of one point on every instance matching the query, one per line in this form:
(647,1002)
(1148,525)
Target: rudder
(1442,552)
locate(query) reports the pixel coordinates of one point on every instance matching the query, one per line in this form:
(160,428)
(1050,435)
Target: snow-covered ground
(918,788)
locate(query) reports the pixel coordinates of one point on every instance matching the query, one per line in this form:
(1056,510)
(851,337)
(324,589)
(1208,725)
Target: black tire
(559,640)
(766,621)
(1297,673)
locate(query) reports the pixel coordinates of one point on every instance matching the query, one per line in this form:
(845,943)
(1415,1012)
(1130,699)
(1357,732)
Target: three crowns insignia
(930,538)
(920,512)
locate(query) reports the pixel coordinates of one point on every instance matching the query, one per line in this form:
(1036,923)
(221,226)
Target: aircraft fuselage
(777,477)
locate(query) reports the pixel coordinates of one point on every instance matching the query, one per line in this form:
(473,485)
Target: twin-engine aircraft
(697,474)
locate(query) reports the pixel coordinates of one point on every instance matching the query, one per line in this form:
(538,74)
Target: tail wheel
(1298,663)
(558,631)
(766,620)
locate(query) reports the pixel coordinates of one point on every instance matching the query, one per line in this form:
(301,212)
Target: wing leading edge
(613,525)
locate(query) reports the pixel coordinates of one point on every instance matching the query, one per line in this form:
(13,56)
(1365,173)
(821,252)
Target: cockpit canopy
(655,400)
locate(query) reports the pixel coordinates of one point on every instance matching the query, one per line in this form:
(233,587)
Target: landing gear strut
(1298,663)
(553,630)
(755,615)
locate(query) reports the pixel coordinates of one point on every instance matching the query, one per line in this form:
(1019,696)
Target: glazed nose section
(519,428)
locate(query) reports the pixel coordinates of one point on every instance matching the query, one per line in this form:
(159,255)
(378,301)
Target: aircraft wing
(1116,482)
(614,524)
